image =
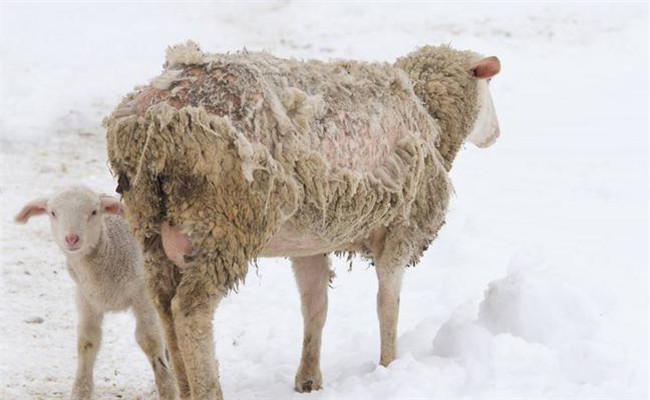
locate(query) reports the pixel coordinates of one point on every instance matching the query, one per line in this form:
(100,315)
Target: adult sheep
(229,157)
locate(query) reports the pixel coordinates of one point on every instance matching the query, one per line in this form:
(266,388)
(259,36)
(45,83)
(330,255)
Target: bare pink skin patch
(176,245)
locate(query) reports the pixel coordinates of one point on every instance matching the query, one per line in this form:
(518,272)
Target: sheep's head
(486,126)
(453,87)
(75,217)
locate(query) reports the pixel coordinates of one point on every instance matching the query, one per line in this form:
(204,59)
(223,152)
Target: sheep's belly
(290,243)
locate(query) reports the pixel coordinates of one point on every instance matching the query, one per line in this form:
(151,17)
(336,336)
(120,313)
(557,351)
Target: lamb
(106,263)
(223,159)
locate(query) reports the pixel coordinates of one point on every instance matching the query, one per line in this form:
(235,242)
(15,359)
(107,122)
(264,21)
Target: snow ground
(536,288)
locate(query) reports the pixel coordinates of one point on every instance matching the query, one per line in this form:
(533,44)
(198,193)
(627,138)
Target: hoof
(308,379)
(307,386)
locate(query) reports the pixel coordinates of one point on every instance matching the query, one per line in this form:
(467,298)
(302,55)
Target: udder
(176,244)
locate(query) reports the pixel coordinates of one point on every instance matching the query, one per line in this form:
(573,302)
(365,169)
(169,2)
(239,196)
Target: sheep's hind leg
(389,276)
(165,314)
(193,307)
(88,342)
(162,284)
(148,334)
(312,276)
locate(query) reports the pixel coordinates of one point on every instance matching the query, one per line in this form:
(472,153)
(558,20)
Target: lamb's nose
(72,239)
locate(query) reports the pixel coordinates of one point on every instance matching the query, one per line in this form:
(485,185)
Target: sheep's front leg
(148,334)
(193,307)
(312,276)
(390,284)
(89,338)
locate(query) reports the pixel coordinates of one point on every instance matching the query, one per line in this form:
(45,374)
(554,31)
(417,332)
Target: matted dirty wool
(232,146)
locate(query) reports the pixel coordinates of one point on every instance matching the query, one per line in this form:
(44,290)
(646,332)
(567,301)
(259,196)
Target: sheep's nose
(72,239)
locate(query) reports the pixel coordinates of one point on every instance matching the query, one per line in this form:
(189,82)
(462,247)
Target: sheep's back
(351,113)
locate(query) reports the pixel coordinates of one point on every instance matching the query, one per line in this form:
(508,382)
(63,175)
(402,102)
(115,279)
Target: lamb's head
(75,214)
(453,86)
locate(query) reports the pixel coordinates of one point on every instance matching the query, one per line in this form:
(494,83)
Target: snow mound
(529,330)
(537,308)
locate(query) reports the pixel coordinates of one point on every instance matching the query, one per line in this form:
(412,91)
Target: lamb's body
(106,263)
(111,277)
(251,156)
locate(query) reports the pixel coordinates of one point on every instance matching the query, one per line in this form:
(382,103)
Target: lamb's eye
(53,214)
(94,212)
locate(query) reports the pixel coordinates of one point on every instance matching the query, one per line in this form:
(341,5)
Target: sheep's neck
(452,136)
(449,144)
(455,114)
(454,108)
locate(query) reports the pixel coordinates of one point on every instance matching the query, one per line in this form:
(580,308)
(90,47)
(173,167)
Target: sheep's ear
(486,68)
(32,209)
(110,205)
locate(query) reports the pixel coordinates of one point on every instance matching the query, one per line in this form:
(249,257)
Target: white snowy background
(536,288)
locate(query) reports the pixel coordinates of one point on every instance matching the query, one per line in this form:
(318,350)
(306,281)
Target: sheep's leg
(88,342)
(390,284)
(193,307)
(162,285)
(148,334)
(312,276)
(167,321)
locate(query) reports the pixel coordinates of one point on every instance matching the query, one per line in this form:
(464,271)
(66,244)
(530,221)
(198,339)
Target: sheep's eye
(53,214)
(94,212)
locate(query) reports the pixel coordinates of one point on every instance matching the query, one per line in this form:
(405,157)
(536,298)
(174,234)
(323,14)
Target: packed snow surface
(536,288)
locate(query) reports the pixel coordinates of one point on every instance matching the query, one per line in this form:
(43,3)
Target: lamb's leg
(312,276)
(88,342)
(390,284)
(193,307)
(148,334)
(162,286)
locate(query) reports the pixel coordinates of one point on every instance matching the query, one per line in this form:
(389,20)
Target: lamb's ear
(110,205)
(486,68)
(32,209)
